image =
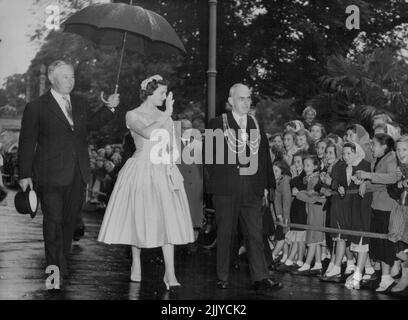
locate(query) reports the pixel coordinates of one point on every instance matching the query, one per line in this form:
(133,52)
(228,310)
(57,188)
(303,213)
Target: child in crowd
(303,140)
(294,125)
(315,216)
(282,205)
(309,114)
(333,156)
(335,138)
(317,132)
(356,133)
(321,153)
(296,237)
(352,212)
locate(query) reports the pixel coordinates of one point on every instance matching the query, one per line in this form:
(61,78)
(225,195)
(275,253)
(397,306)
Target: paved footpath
(100,271)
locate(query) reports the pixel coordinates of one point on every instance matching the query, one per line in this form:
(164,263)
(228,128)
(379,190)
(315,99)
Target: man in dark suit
(53,152)
(238,186)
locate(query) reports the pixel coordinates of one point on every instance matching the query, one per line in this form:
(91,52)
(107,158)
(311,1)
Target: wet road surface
(99,271)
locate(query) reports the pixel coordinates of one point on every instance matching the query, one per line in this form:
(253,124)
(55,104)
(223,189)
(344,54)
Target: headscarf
(392,132)
(339,154)
(362,135)
(363,140)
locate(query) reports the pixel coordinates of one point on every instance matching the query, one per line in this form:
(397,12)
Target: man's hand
(341,191)
(113,100)
(25,183)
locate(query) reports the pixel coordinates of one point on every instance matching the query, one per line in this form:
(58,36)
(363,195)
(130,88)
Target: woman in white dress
(148,207)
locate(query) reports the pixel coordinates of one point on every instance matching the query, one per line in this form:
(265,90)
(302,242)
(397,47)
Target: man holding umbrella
(53,152)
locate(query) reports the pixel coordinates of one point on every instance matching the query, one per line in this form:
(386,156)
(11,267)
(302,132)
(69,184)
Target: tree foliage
(280,48)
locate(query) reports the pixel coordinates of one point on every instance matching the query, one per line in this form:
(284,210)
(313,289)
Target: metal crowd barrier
(334,230)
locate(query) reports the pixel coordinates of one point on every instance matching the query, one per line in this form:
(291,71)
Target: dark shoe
(315,272)
(221,284)
(301,273)
(336,279)
(266,285)
(371,283)
(284,268)
(54,291)
(79,233)
(397,276)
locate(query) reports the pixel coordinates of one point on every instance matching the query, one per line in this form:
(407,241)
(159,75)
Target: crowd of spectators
(106,163)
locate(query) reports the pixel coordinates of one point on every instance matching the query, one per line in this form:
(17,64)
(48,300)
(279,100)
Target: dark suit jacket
(225,179)
(49,148)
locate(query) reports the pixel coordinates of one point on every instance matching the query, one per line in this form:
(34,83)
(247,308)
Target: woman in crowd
(398,227)
(384,173)
(276,147)
(303,140)
(317,132)
(350,212)
(356,133)
(315,217)
(355,208)
(282,205)
(289,141)
(309,115)
(333,157)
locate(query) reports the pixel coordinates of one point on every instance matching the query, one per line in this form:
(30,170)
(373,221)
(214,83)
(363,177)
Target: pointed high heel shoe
(135,278)
(171,287)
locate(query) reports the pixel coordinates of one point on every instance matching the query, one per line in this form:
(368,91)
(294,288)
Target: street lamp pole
(212,59)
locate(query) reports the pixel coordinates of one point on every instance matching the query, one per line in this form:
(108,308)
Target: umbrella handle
(103,98)
(103,95)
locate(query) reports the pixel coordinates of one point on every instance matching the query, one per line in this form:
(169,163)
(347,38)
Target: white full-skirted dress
(148,207)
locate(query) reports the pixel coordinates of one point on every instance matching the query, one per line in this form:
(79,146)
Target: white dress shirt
(238,118)
(62,104)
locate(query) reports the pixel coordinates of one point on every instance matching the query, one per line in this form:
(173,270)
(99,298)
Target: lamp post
(43,78)
(212,59)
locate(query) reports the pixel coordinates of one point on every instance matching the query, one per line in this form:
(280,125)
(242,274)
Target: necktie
(68,107)
(241,123)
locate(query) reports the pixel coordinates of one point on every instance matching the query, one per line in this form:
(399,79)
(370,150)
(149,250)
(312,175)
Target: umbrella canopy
(105,24)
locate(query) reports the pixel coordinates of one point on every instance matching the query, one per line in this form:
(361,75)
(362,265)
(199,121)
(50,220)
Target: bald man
(237,191)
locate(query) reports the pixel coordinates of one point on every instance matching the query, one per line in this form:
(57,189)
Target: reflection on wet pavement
(99,271)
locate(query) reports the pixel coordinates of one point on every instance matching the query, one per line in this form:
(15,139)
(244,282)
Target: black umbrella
(125,26)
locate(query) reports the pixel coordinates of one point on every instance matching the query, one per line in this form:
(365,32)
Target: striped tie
(68,107)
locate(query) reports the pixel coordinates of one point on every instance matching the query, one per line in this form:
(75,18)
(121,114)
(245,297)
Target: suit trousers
(247,208)
(61,206)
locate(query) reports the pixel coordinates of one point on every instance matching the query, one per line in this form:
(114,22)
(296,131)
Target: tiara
(150,79)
